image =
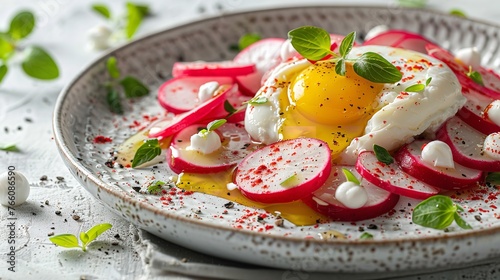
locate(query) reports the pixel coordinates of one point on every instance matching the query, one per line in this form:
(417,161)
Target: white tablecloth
(124,252)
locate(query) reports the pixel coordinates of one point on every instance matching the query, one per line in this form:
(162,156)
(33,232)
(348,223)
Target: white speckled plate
(199,221)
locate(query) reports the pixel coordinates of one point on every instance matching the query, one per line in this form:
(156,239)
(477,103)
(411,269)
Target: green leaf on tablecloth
(135,14)
(37,63)
(133,87)
(102,9)
(21,25)
(9,148)
(95,231)
(7,48)
(65,240)
(3,71)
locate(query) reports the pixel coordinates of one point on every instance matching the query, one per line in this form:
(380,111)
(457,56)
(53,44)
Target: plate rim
(122,195)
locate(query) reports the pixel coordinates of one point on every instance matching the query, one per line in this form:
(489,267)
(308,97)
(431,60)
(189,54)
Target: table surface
(124,252)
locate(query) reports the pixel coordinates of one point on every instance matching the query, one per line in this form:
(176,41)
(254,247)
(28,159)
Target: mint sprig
(475,76)
(71,241)
(314,44)
(147,152)
(211,126)
(130,86)
(418,87)
(36,62)
(438,212)
(135,13)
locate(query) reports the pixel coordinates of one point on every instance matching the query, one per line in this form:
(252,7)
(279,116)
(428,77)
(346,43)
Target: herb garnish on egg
(314,43)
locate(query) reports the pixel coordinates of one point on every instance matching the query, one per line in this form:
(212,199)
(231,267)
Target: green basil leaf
(84,237)
(366,235)
(97,230)
(248,39)
(65,240)
(458,13)
(311,42)
(376,68)
(10,148)
(155,187)
(258,100)
(111,65)
(213,125)
(382,154)
(350,177)
(133,87)
(340,67)
(3,71)
(102,9)
(37,63)
(476,77)
(21,25)
(347,44)
(436,212)
(114,101)
(6,47)
(493,178)
(143,9)
(229,108)
(461,222)
(134,19)
(415,88)
(147,152)
(413,3)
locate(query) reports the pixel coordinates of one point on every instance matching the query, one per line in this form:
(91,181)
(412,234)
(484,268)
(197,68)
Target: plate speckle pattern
(202,222)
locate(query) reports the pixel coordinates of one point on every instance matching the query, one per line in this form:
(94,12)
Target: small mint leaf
(10,148)
(258,100)
(366,235)
(213,125)
(21,25)
(37,63)
(382,154)
(97,230)
(155,187)
(3,71)
(114,101)
(347,44)
(111,65)
(65,240)
(229,108)
(133,87)
(340,67)
(147,152)
(415,88)
(350,176)
(375,68)
(102,9)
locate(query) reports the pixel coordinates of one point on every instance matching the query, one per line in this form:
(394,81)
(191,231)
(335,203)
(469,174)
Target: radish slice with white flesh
(284,171)
(167,127)
(466,145)
(473,114)
(236,144)
(400,39)
(265,54)
(491,80)
(212,69)
(323,200)
(391,178)
(180,94)
(410,160)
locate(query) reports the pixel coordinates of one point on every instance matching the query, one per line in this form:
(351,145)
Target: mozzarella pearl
(14,188)
(439,154)
(351,195)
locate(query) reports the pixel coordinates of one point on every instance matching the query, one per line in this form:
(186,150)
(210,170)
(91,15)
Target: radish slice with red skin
(236,144)
(167,127)
(400,39)
(472,112)
(180,94)
(391,178)
(410,160)
(466,145)
(323,200)
(491,80)
(265,54)
(212,69)
(304,161)
(236,99)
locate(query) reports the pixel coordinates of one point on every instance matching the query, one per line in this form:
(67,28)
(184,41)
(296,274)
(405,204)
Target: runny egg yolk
(322,104)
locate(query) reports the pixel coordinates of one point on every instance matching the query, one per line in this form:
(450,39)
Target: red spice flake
(493,206)
(99,139)
(263,215)
(268,227)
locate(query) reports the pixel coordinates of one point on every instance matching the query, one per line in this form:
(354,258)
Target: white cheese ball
(14,188)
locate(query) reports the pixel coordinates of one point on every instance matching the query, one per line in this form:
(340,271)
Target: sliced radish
(236,144)
(265,54)
(236,99)
(473,114)
(180,94)
(466,145)
(491,80)
(211,69)
(284,171)
(410,160)
(167,127)
(391,178)
(323,200)
(400,39)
